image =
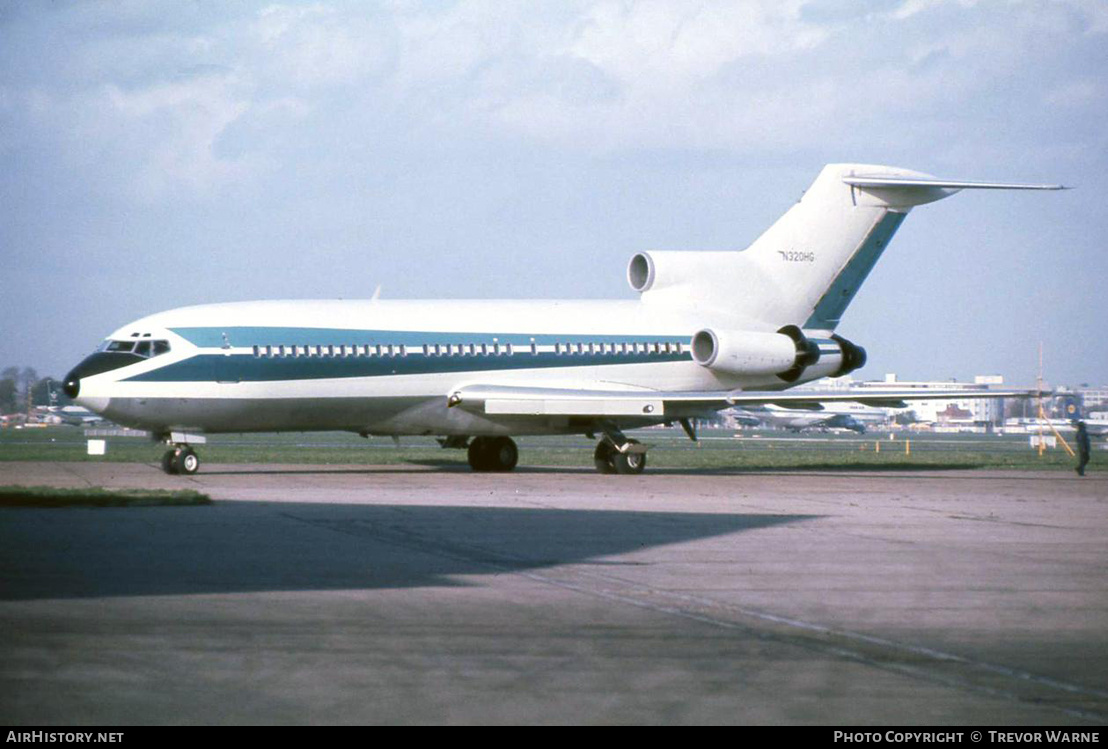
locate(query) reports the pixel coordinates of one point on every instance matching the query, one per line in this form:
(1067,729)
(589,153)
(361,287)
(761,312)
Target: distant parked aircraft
(852,416)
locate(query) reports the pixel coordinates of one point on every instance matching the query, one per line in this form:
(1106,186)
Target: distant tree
(22,387)
(906,418)
(27,379)
(8,394)
(41,390)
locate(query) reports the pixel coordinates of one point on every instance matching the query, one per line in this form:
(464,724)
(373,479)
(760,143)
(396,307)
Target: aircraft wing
(503,400)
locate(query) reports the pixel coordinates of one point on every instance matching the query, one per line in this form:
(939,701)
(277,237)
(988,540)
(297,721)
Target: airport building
(1094,398)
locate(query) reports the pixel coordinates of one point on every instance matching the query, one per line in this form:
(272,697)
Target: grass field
(717,450)
(48,496)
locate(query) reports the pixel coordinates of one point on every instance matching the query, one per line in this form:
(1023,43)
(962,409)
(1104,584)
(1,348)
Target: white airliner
(710,330)
(851,416)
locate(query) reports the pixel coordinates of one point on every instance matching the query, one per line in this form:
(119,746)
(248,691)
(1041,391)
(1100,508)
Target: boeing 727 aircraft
(710,330)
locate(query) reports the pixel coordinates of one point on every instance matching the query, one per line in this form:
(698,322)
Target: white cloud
(661,46)
(178,122)
(739,77)
(312,46)
(1076,93)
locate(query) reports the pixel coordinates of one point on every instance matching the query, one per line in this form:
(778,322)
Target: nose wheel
(180,460)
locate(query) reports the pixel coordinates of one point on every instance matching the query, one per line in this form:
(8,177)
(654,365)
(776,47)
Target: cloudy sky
(154,155)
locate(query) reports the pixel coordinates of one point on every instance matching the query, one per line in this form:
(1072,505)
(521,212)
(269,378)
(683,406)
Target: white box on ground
(97,447)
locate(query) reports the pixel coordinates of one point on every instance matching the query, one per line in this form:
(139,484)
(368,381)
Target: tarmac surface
(347,594)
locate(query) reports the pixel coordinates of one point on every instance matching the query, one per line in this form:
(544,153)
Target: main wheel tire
(186,462)
(629,464)
(168,459)
(478,454)
(603,456)
(493,454)
(503,454)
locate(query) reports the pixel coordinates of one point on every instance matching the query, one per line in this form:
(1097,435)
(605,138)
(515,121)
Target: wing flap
(499,400)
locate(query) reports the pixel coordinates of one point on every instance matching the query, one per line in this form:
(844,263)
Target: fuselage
(382,367)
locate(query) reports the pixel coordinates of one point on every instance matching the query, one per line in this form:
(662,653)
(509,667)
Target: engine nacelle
(853,356)
(786,353)
(654,271)
(838,356)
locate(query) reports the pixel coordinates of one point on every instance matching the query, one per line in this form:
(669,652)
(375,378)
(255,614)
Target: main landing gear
(497,454)
(180,459)
(615,453)
(610,459)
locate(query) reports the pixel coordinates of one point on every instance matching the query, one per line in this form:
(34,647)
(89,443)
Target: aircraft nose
(94,364)
(72,385)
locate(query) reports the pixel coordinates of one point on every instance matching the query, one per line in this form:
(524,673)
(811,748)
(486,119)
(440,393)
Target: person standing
(1082,448)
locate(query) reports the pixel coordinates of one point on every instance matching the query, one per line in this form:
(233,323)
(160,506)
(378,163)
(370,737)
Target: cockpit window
(145,349)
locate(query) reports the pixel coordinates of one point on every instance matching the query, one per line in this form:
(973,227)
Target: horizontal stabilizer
(885,182)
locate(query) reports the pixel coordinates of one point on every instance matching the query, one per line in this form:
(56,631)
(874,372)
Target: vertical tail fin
(807,267)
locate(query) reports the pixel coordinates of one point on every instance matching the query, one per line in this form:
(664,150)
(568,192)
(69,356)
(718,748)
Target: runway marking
(782,629)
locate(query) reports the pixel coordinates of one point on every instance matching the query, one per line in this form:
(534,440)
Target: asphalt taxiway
(347,594)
